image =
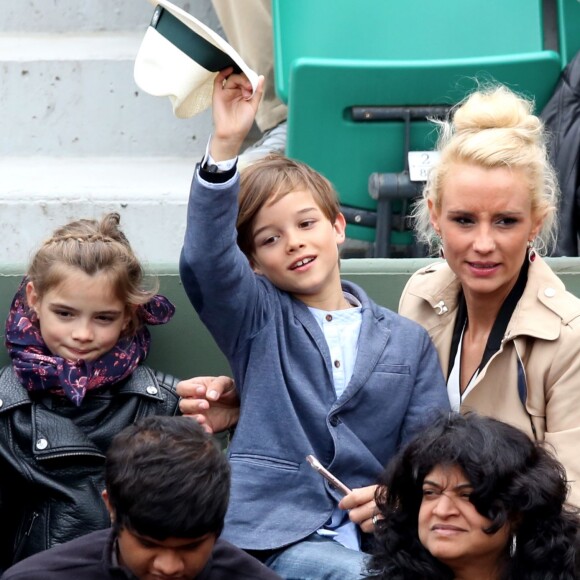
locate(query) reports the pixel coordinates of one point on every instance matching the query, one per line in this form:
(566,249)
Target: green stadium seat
(569,29)
(336,62)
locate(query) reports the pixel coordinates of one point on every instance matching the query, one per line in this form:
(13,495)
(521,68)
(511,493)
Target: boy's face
(170,559)
(296,248)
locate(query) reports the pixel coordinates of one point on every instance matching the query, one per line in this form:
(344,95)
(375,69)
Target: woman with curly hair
(473,498)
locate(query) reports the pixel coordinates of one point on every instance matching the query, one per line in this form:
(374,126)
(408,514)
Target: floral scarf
(40,370)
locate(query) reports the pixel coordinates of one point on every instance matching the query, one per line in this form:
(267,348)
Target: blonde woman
(506,330)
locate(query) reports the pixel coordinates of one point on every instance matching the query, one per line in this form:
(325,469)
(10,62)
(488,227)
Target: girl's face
(485,220)
(80,318)
(450,527)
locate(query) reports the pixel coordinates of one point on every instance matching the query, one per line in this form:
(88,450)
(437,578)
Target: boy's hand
(212,401)
(360,503)
(234,110)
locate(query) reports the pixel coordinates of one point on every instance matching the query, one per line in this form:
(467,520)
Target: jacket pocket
(392,369)
(264,461)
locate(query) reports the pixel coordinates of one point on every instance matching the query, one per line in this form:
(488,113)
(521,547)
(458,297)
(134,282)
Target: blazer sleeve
(429,397)
(217,277)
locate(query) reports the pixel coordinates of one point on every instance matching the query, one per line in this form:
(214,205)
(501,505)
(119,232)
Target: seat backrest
(184,347)
(401,30)
(323,133)
(331,55)
(569,29)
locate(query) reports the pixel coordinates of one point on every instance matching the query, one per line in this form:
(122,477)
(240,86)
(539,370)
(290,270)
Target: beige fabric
(248,27)
(544,331)
(161,69)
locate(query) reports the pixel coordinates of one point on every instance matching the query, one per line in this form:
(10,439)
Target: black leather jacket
(562,118)
(52,455)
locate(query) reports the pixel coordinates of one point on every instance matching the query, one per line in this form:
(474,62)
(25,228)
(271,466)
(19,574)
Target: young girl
(77,338)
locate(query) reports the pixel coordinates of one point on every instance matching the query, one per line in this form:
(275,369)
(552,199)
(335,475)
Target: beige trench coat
(544,332)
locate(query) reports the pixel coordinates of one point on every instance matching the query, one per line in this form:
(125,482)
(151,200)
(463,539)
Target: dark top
(52,456)
(89,558)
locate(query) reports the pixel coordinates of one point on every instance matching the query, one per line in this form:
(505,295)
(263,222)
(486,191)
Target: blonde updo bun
(494,127)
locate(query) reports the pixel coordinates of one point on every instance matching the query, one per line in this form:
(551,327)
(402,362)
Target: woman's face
(485,221)
(450,527)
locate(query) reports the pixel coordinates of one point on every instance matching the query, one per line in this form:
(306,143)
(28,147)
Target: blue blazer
(282,367)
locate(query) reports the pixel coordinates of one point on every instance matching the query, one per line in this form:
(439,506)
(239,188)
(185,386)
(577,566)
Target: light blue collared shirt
(341,330)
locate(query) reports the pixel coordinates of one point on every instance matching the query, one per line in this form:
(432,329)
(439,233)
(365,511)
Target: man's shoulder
(79,558)
(231,563)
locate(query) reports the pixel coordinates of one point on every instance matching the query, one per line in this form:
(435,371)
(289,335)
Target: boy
(320,369)
(167,489)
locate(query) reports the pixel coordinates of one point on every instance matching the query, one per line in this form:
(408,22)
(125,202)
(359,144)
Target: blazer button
(334,420)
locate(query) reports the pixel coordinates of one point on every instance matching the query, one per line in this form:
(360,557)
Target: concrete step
(39,194)
(74,95)
(89,15)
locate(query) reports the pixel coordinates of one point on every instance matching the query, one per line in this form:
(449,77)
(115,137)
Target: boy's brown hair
(269,180)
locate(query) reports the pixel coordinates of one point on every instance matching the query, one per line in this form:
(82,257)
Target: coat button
(549,292)
(152,390)
(42,444)
(334,420)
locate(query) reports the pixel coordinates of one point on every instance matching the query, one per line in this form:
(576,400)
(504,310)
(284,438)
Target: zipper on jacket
(76,454)
(22,540)
(32,520)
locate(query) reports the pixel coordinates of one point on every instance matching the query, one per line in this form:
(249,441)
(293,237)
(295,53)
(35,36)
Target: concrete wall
(47,16)
(78,138)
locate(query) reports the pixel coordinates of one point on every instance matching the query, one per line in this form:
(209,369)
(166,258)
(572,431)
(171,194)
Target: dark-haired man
(167,490)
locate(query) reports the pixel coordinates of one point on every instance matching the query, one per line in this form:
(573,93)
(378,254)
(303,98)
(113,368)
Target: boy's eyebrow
(299,212)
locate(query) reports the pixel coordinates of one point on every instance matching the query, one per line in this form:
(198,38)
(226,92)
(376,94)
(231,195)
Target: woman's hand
(212,401)
(360,503)
(234,109)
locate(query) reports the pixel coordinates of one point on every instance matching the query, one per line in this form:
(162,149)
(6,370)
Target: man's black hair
(166,477)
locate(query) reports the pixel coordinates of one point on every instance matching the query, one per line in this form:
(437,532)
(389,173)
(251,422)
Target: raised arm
(216,275)
(234,110)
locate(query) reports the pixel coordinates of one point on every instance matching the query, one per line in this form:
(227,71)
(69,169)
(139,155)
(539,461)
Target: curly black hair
(515,481)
